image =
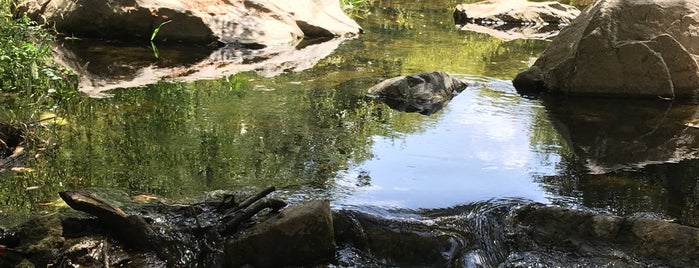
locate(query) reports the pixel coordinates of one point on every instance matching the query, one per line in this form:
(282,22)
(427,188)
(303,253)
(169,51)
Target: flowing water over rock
(313,133)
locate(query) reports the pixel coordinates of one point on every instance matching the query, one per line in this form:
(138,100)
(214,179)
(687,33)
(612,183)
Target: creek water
(314,134)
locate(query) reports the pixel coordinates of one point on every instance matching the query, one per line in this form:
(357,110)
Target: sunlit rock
(299,235)
(514,19)
(638,48)
(249,22)
(424,93)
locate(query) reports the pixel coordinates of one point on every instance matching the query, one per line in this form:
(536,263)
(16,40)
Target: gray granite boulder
(639,48)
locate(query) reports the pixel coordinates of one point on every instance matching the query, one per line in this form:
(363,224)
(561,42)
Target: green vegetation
(356,8)
(30,83)
(152,37)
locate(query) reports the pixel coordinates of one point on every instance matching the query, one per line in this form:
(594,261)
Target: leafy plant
(356,8)
(30,82)
(152,37)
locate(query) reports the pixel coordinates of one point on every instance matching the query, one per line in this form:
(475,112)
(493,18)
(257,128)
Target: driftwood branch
(247,202)
(230,226)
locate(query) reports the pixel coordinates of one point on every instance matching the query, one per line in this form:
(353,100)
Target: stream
(313,133)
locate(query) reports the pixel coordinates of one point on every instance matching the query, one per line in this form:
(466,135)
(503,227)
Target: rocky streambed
(505,233)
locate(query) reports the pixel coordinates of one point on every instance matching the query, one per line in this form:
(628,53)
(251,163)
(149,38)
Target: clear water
(314,133)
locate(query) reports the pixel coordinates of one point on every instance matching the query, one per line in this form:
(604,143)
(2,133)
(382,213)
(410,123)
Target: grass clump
(356,8)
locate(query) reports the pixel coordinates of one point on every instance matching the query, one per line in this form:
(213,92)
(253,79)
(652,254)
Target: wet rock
(600,238)
(424,93)
(250,22)
(514,19)
(395,242)
(299,235)
(629,48)
(55,241)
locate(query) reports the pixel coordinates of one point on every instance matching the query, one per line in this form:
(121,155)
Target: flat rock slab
(514,19)
(249,22)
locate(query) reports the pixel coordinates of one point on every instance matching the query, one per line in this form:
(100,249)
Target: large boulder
(425,93)
(249,22)
(622,47)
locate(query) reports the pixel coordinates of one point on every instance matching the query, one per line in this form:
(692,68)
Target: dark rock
(424,93)
(396,243)
(627,48)
(299,235)
(601,238)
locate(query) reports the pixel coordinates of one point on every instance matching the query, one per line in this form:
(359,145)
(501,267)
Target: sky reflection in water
(478,148)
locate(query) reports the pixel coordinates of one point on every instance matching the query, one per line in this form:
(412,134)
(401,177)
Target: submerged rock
(638,48)
(299,235)
(249,22)
(424,93)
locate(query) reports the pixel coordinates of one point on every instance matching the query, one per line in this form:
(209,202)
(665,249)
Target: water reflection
(631,156)
(612,134)
(103,65)
(476,149)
